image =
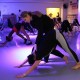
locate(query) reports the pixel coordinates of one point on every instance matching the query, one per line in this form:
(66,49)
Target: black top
(18,26)
(43,24)
(65,26)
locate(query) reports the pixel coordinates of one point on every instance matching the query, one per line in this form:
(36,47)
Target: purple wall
(11,6)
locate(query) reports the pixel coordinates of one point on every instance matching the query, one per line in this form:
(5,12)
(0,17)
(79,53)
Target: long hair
(25,13)
(31,59)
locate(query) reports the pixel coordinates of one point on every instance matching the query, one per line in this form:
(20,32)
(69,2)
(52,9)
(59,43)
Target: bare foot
(77,66)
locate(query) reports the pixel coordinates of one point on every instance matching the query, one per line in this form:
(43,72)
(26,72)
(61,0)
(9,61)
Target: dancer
(19,27)
(31,58)
(45,25)
(66,27)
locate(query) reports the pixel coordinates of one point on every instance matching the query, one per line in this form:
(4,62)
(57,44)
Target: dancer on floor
(45,25)
(31,58)
(42,31)
(19,27)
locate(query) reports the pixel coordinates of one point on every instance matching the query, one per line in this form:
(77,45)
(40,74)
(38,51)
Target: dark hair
(59,19)
(19,10)
(66,26)
(65,5)
(31,59)
(24,14)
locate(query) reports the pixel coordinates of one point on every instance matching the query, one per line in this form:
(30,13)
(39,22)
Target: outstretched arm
(22,63)
(29,70)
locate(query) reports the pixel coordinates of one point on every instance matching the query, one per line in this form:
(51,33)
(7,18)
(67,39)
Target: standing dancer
(31,58)
(19,27)
(45,25)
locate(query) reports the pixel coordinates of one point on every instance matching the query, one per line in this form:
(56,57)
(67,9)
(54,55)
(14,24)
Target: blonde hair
(25,13)
(39,14)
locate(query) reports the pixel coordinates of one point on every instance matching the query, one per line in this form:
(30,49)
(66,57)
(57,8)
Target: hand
(21,76)
(18,66)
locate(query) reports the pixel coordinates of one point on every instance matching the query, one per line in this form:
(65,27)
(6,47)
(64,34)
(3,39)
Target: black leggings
(54,52)
(63,43)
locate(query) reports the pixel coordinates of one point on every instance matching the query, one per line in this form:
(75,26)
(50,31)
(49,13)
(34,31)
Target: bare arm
(30,69)
(24,32)
(22,63)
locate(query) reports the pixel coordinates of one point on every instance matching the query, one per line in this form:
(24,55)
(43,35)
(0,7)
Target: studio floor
(15,52)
